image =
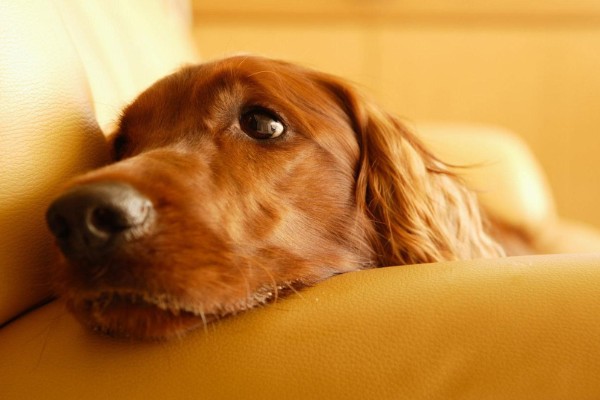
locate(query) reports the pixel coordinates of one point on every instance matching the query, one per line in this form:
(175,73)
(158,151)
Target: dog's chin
(138,316)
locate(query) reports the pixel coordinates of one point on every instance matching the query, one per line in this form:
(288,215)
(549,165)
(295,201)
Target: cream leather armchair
(522,327)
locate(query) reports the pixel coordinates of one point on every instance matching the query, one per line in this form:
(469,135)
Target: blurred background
(530,66)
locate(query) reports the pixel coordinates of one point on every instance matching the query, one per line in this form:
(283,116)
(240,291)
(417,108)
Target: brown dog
(237,180)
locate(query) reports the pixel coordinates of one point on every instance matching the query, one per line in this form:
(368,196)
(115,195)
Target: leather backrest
(125,46)
(66,69)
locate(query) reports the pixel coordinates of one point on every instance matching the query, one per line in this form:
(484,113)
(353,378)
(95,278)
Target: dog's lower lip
(116,300)
(137,315)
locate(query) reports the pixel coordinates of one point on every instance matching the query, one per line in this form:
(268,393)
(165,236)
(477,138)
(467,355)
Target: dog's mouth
(143,315)
(138,315)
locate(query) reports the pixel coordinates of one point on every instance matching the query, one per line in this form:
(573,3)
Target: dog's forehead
(252,74)
(239,76)
(247,67)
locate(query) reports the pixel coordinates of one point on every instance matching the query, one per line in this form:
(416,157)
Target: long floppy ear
(420,209)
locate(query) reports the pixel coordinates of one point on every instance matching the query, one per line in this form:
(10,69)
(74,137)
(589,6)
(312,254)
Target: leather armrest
(518,328)
(499,166)
(566,236)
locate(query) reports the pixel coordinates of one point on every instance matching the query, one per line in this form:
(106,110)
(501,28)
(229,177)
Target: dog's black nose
(90,220)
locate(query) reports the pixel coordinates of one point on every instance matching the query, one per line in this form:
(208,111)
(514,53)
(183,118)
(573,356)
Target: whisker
(273,282)
(204,321)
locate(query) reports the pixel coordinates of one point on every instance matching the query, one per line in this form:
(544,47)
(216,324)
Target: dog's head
(238,180)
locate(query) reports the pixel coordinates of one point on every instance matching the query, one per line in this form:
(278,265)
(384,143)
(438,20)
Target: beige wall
(533,67)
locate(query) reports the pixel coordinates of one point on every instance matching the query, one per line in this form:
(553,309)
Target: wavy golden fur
(420,209)
(254,177)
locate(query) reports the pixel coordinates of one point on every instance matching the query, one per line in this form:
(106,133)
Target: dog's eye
(260,123)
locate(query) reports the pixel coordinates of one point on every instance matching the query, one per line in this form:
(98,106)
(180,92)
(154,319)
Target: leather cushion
(515,328)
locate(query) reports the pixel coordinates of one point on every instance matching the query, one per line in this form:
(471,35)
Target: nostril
(105,219)
(103,222)
(58,225)
(119,216)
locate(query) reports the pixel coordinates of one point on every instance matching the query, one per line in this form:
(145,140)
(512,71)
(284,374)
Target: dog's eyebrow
(243,61)
(263,72)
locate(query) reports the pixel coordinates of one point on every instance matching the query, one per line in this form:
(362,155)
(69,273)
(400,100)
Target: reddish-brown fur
(240,220)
